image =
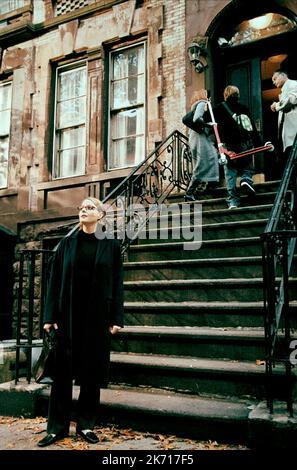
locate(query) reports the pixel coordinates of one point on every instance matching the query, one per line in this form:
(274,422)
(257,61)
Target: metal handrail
(278,249)
(167,167)
(25,323)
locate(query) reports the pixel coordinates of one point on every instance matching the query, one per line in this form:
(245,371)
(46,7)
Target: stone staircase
(190,358)
(194,318)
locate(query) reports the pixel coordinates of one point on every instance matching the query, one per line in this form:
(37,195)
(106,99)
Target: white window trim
(130,46)
(73,65)
(3,84)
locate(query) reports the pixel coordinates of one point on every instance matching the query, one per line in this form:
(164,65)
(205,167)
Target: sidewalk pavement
(23,434)
(118,447)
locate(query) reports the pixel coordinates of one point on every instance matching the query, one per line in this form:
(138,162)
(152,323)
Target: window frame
(55,140)
(7,136)
(142,43)
(13,8)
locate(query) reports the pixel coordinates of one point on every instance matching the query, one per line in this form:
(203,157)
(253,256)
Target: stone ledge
(20,399)
(272,431)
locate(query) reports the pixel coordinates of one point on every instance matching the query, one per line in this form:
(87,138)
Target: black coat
(229,131)
(104,299)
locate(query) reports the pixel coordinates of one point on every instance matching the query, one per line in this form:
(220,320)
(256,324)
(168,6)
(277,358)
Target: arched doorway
(7,245)
(248,42)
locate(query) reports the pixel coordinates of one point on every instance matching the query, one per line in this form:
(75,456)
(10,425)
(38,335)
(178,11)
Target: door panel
(247,77)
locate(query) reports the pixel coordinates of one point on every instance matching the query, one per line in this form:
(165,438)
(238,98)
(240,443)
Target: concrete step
(209,314)
(212,268)
(221,343)
(190,212)
(209,268)
(202,290)
(240,213)
(245,422)
(212,314)
(156,410)
(259,198)
(249,246)
(220,193)
(199,376)
(205,231)
(211,201)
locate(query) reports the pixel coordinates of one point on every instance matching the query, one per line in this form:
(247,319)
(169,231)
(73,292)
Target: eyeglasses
(88,208)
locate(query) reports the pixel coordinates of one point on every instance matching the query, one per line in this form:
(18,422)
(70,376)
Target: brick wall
(173,70)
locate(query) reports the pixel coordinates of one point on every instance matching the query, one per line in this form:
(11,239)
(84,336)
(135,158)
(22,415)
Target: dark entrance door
(250,66)
(246,76)
(7,245)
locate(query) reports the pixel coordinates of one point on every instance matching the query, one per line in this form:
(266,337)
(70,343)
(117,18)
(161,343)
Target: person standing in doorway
(286,108)
(84,305)
(238,132)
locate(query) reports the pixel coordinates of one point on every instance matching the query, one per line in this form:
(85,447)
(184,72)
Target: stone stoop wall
(7,360)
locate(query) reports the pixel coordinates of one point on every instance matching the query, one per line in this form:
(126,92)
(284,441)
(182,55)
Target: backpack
(245,128)
(243,121)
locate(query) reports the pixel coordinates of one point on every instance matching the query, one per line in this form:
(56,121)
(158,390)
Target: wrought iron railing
(278,248)
(165,169)
(31,291)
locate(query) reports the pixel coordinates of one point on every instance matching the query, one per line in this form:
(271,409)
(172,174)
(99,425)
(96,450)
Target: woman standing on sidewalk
(85,306)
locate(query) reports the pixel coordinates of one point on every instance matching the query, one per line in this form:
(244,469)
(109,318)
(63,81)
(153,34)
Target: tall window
(70,122)
(127,107)
(5,111)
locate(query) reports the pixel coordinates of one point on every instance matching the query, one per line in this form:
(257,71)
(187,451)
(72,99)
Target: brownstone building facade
(88,88)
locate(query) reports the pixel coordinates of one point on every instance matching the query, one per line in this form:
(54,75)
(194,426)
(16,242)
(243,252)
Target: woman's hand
(47,326)
(114,329)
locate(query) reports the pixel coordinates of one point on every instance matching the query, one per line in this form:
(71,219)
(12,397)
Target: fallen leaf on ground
(260,362)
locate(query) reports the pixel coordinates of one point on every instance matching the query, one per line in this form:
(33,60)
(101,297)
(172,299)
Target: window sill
(80,180)
(8,192)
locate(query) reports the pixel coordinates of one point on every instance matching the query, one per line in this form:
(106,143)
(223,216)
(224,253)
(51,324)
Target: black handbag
(188,121)
(45,366)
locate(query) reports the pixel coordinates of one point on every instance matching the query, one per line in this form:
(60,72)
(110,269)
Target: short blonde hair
(231,90)
(199,95)
(98,205)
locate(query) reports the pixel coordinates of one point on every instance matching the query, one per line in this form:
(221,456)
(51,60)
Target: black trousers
(60,406)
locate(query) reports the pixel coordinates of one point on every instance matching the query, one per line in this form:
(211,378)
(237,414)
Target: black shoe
(190,197)
(50,439)
(88,435)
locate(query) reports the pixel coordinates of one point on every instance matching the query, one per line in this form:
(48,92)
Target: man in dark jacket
(238,132)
